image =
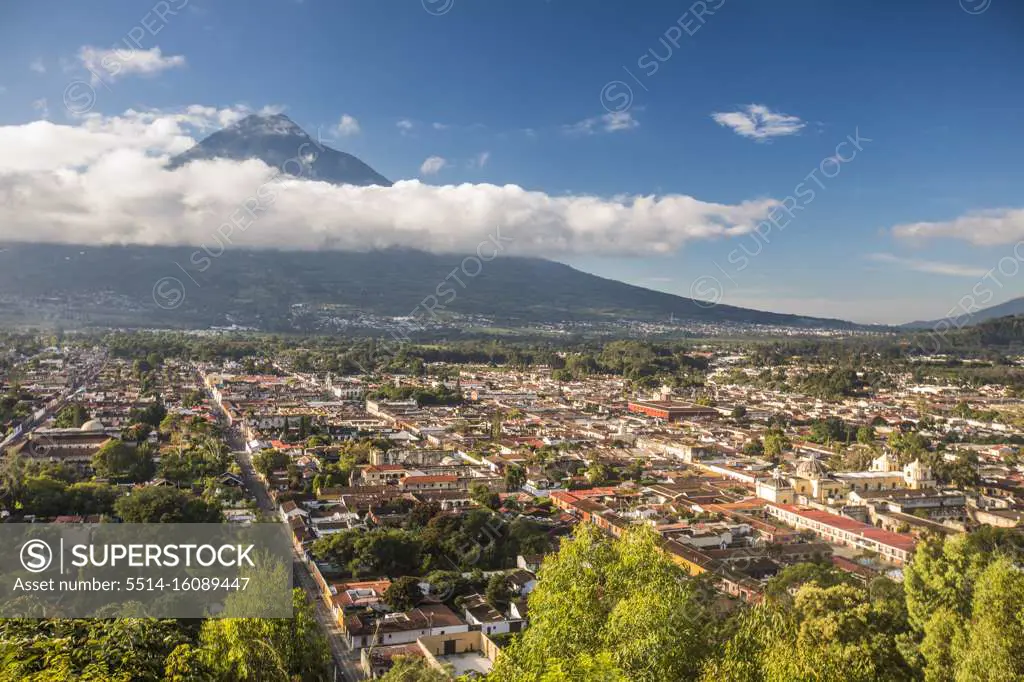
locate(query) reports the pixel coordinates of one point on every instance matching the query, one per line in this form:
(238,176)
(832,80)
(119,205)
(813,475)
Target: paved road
(345,661)
(344,658)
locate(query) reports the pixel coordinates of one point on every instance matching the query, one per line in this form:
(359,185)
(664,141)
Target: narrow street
(346,665)
(77,384)
(347,660)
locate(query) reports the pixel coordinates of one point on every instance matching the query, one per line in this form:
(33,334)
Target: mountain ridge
(265,288)
(281,143)
(299,290)
(1011,308)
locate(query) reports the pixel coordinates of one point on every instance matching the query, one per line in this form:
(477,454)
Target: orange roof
(360,593)
(429,479)
(885,537)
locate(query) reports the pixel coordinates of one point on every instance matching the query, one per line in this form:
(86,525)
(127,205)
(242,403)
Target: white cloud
(44,146)
(37,66)
(42,107)
(2,90)
(347,126)
(612,122)
(758,122)
(115,63)
(433,165)
(204,118)
(932,267)
(982,228)
(440,126)
(104,180)
(405,126)
(480,160)
(619,120)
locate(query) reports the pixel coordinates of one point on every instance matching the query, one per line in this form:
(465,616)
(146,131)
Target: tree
(136,433)
(153,414)
(71,417)
(44,496)
(482,495)
(95,650)
(515,477)
(380,551)
(610,600)
(162,504)
(963,410)
(422,512)
(830,430)
(936,648)
(831,634)
(118,460)
(598,668)
(635,469)
(188,663)
(86,498)
(775,443)
(598,473)
(272,649)
(267,461)
(963,473)
(403,593)
(991,647)
(964,600)
(498,593)
(496,424)
(753,448)
(12,479)
(793,577)
(739,413)
(561,375)
(205,459)
(866,435)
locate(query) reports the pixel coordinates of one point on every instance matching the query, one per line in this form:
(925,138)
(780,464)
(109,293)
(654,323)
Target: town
(423,498)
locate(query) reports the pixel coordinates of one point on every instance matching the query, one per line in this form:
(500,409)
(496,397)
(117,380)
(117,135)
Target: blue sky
(511,93)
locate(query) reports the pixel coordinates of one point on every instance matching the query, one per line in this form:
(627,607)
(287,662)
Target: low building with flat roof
(467,653)
(671,411)
(895,548)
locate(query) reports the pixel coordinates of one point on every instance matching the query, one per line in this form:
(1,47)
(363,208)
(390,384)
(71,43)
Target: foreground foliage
(617,610)
(143,649)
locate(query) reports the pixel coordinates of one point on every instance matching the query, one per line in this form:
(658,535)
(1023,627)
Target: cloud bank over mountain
(105,180)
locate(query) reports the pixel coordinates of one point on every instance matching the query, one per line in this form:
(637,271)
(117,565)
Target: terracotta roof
(360,593)
(884,537)
(436,616)
(410,480)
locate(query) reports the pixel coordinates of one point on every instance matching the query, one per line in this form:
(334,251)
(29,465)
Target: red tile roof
(412,480)
(897,540)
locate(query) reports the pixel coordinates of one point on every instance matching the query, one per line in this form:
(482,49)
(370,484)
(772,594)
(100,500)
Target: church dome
(93,425)
(810,468)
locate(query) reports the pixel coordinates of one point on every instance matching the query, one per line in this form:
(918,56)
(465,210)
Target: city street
(345,661)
